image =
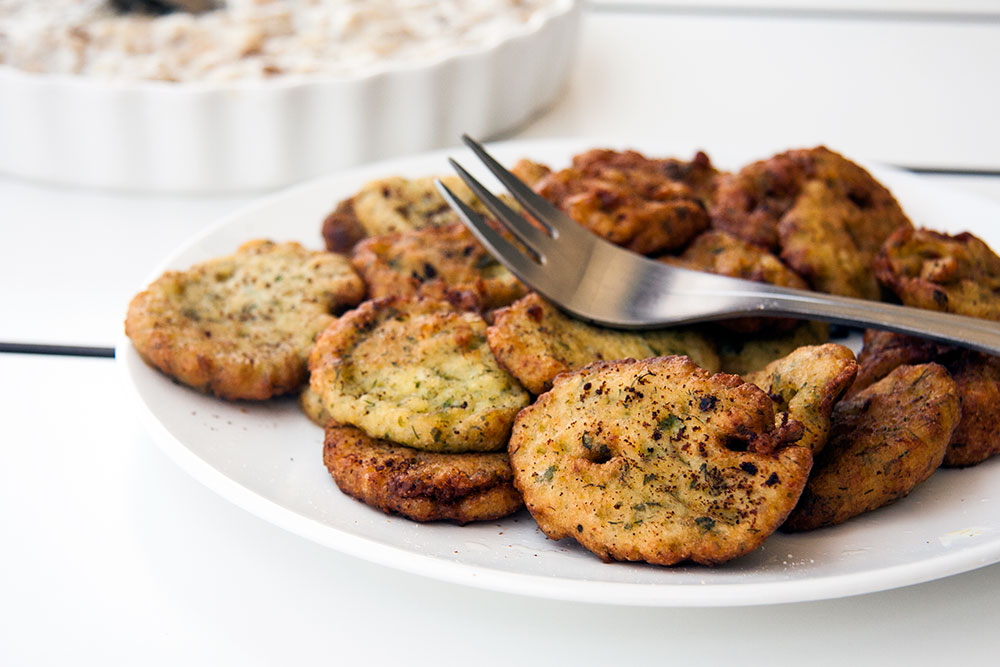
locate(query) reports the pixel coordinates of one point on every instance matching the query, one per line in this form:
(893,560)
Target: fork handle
(979,334)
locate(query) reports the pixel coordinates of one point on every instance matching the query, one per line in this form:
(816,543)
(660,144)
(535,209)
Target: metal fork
(602,283)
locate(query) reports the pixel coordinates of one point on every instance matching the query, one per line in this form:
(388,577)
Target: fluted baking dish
(201,137)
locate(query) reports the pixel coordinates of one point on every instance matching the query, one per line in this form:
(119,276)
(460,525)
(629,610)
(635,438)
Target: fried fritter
(719,252)
(530,172)
(390,205)
(241,326)
(657,460)
(825,215)
(748,204)
(423,486)
(806,384)
(627,199)
(440,262)
(976,375)
(416,372)
(884,442)
(745,354)
(955,274)
(536,342)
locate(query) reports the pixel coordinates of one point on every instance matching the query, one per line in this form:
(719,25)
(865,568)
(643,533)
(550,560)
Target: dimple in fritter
(884,442)
(954,274)
(439,262)
(420,485)
(658,461)
(807,384)
(418,373)
(976,375)
(536,342)
(241,326)
(628,199)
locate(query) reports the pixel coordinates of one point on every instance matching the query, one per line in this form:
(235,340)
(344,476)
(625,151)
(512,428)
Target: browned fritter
(955,274)
(416,372)
(536,342)
(393,204)
(658,461)
(719,252)
(628,199)
(242,326)
(976,375)
(530,172)
(440,262)
(749,203)
(884,442)
(825,216)
(422,486)
(807,384)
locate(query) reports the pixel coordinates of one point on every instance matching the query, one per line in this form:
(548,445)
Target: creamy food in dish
(248,39)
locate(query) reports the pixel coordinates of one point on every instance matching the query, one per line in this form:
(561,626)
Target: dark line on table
(825,13)
(58,350)
(952,171)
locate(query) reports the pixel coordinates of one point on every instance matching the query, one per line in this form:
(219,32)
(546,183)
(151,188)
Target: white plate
(267,458)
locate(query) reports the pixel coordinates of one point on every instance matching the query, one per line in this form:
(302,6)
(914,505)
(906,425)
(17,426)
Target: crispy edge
(807,384)
(422,486)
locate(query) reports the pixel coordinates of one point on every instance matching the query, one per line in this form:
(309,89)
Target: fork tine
(533,237)
(524,267)
(552,218)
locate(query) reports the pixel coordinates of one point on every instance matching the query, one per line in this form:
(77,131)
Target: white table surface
(112,555)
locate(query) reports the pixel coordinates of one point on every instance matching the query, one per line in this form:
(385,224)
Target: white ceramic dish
(267,458)
(255,135)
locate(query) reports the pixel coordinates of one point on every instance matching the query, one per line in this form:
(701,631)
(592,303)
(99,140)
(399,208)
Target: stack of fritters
(454,393)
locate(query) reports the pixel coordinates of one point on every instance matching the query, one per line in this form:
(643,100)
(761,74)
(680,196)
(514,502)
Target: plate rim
(486,578)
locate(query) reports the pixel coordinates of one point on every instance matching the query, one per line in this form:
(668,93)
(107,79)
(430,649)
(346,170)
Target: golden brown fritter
(657,461)
(825,216)
(536,342)
(416,372)
(807,384)
(884,442)
(530,172)
(391,205)
(719,252)
(976,375)
(242,326)
(440,262)
(420,485)
(749,203)
(954,274)
(627,199)
(740,354)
